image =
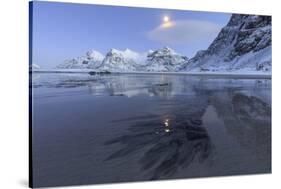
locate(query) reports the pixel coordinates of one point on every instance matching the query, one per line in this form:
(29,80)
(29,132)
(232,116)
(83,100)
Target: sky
(68,30)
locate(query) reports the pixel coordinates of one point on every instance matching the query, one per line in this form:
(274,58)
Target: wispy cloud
(184,32)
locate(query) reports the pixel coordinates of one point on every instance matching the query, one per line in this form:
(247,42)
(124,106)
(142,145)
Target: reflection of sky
(167,86)
(185,135)
(64,31)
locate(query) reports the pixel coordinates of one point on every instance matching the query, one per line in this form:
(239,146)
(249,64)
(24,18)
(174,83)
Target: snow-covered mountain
(165,59)
(117,60)
(91,60)
(244,44)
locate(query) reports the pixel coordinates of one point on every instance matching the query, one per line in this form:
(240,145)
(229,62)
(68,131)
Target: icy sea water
(121,128)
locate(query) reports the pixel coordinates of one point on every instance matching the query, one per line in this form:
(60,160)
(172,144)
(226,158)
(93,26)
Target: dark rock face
(253,35)
(250,107)
(114,57)
(242,35)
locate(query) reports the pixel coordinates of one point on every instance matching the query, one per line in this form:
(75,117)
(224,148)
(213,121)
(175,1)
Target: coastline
(240,75)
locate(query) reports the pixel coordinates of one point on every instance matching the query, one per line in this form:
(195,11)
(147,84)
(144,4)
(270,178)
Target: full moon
(166,19)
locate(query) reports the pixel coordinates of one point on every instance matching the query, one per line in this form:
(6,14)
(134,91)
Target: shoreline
(243,75)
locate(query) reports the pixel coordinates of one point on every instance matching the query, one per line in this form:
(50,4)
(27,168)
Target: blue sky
(68,30)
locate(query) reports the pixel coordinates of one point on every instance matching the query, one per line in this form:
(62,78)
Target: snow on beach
(234,74)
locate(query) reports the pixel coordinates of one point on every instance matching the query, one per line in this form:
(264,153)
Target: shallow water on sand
(126,127)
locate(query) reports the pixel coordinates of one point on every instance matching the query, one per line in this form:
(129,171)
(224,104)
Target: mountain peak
(244,43)
(126,54)
(113,50)
(164,51)
(92,59)
(93,54)
(165,59)
(128,50)
(167,48)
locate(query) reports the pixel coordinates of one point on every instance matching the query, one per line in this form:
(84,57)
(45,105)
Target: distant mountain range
(164,59)
(244,44)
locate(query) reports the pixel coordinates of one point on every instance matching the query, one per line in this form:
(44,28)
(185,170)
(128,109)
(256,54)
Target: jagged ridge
(164,59)
(243,44)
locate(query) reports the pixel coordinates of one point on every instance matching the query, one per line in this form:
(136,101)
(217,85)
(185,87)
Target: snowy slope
(91,60)
(117,60)
(244,44)
(165,59)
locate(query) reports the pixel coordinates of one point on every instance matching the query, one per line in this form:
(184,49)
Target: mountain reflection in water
(128,127)
(168,143)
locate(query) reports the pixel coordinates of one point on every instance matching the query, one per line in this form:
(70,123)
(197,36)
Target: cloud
(184,32)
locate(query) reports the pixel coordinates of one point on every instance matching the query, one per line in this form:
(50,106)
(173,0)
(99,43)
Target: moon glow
(166,19)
